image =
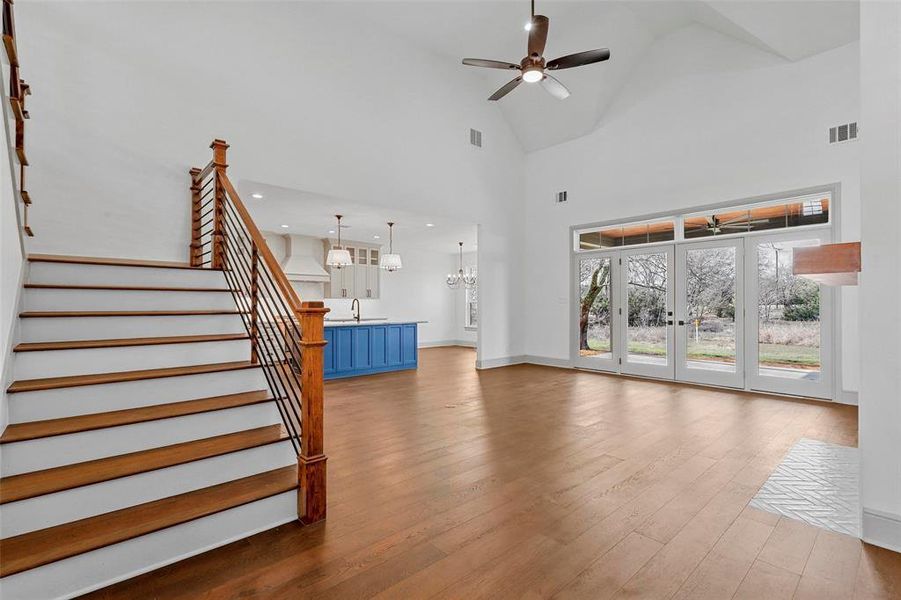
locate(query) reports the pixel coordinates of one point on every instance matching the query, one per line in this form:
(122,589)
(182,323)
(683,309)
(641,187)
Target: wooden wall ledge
(829,264)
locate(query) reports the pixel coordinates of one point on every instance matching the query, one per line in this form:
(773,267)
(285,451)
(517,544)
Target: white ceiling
(788,29)
(308,213)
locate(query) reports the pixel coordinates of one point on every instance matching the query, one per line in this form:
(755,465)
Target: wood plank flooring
(534,482)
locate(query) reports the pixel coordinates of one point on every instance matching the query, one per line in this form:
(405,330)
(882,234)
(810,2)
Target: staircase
(139,434)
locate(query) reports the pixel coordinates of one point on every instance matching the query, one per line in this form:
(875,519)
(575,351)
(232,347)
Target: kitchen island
(368,347)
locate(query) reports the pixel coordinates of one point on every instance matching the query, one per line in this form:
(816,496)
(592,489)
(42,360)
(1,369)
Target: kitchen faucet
(356,302)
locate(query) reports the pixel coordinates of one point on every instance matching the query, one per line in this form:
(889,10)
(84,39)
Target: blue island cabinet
(353,350)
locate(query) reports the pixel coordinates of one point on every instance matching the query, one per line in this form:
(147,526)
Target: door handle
(681,322)
(670,322)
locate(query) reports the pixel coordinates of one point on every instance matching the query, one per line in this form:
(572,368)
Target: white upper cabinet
(360,280)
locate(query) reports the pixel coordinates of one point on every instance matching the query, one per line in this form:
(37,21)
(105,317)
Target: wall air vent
(475,137)
(843,133)
(560,197)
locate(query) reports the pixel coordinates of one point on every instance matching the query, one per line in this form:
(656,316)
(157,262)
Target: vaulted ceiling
(787,30)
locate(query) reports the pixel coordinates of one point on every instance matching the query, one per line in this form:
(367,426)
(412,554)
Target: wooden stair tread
(121,342)
(113,262)
(49,383)
(19,432)
(33,549)
(126,288)
(125,313)
(66,477)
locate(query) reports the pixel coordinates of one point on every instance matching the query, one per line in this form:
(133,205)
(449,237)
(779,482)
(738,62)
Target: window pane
(789,315)
(627,235)
(710,295)
(647,331)
(595,331)
(779,216)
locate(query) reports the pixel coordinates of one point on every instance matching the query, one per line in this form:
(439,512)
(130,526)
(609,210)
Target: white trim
(443,343)
(547,361)
(503,361)
(881,529)
(847,397)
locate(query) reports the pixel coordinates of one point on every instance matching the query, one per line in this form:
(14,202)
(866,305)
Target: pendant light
(390,262)
(466,278)
(338,256)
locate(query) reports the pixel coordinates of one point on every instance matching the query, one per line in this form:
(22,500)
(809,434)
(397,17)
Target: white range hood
(300,262)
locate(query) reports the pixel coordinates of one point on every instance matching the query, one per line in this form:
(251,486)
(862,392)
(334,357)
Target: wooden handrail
(286,335)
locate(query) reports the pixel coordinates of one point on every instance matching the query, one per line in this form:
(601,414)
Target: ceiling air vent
(475,137)
(560,197)
(843,133)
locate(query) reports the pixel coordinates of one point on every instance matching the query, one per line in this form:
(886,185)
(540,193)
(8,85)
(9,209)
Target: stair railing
(17,92)
(286,335)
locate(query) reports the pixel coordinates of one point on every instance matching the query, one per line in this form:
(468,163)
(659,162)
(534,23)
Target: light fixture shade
(390,262)
(338,257)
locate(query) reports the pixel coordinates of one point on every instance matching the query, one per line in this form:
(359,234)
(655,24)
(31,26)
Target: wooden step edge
(66,477)
(124,342)
(51,383)
(114,262)
(32,430)
(50,314)
(124,288)
(37,548)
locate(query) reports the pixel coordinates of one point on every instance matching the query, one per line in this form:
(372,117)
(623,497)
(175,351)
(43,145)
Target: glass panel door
(595,310)
(647,311)
(709,307)
(790,333)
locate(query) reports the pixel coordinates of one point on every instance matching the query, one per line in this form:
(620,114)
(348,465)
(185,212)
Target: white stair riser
(39,299)
(58,363)
(63,329)
(87,501)
(78,274)
(45,453)
(89,399)
(86,572)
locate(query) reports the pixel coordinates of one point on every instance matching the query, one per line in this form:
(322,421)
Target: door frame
(610,364)
(710,376)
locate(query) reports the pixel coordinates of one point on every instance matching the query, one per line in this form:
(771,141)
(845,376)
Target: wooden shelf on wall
(829,264)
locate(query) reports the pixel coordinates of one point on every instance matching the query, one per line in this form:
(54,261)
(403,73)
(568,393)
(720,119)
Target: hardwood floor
(534,482)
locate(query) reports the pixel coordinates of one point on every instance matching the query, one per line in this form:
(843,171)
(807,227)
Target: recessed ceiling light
(257,196)
(429,224)
(284,226)
(331,231)
(376,237)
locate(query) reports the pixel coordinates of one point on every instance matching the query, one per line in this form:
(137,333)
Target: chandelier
(391,261)
(338,256)
(466,278)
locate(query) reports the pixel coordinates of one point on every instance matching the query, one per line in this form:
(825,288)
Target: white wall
(705,119)
(880,279)
(134,92)
(416,292)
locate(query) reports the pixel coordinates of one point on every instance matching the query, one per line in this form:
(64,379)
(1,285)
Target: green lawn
(770,354)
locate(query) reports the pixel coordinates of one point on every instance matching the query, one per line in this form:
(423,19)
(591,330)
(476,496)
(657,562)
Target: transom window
(779,214)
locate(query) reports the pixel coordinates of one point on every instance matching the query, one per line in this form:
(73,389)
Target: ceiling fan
(742,223)
(533,67)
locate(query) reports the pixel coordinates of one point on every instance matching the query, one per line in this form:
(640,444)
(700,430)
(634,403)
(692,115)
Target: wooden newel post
(195,217)
(311,500)
(219,147)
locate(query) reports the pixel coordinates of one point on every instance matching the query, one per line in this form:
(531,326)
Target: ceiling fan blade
(506,89)
(538,35)
(554,87)
(489,64)
(578,59)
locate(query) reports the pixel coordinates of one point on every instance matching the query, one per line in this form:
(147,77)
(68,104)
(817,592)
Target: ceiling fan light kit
(533,68)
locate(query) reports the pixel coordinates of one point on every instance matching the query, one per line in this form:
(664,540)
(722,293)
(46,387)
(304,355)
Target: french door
(709,313)
(725,312)
(790,320)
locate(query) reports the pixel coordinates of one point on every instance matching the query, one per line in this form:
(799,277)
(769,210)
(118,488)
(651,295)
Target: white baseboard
(847,397)
(881,529)
(443,343)
(504,361)
(547,361)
